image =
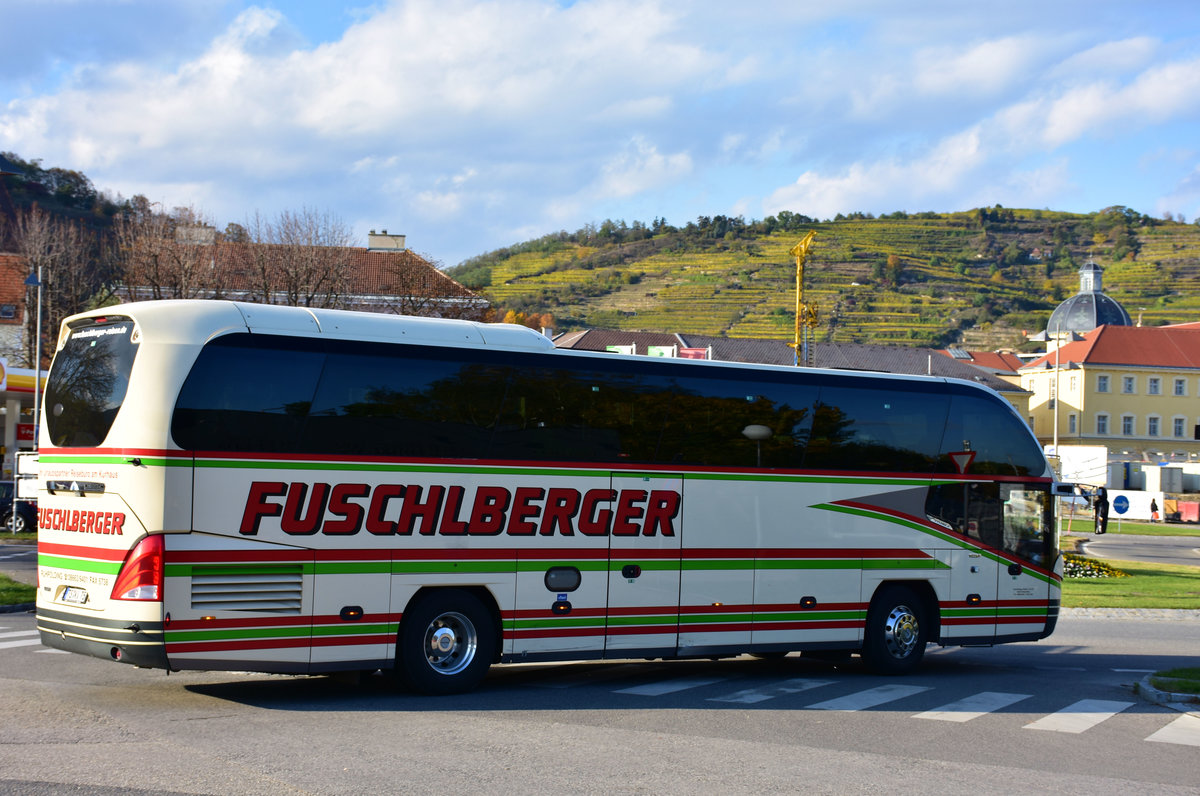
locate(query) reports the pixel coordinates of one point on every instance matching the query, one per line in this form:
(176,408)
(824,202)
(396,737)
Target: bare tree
(299,258)
(415,285)
(166,255)
(66,259)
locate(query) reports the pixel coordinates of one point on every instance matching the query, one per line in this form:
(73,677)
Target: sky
(471,125)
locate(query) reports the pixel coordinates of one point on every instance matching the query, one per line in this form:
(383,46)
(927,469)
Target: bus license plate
(73,594)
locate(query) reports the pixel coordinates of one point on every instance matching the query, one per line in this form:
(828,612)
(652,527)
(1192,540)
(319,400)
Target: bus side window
(875,429)
(394,401)
(247,394)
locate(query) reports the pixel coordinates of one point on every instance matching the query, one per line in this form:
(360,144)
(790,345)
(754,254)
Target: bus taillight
(141,577)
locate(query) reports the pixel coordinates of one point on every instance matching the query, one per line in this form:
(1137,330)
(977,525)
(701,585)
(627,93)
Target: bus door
(1029,542)
(974,512)
(644,564)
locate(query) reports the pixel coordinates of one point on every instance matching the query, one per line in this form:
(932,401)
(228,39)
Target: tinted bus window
(988,438)
(735,422)
(248,393)
(88,381)
(582,411)
(404,401)
(887,428)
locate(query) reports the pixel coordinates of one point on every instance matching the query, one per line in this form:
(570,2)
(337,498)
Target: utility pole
(806,313)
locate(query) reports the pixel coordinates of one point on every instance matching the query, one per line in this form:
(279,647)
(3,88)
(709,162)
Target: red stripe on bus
(280,621)
(79,551)
(184,647)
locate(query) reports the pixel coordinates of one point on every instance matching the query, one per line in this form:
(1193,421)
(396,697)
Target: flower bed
(1080,567)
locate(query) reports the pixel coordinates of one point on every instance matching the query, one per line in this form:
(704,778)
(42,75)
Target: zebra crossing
(1075,718)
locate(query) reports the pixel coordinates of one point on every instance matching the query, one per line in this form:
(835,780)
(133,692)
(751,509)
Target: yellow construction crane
(806,313)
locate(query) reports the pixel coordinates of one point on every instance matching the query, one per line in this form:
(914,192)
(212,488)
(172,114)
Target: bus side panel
(238,601)
(723,523)
(644,564)
(969,611)
(576,627)
(237,604)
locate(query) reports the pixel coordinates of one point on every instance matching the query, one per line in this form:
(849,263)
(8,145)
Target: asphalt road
(1184,550)
(1057,716)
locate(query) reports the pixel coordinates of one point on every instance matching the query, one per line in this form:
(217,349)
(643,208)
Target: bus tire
(446,644)
(897,631)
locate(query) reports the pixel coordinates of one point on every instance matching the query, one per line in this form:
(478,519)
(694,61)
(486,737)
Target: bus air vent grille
(225,589)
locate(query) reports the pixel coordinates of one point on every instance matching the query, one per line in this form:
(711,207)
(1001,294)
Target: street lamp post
(36,280)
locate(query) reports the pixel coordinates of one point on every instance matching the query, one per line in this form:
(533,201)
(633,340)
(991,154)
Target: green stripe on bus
(965,545)
(79,564)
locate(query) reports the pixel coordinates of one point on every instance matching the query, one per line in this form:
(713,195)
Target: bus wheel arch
(901,620)
(448,638)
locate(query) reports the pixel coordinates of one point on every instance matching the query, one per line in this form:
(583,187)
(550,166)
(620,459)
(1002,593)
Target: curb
(1184,703)
(16,609)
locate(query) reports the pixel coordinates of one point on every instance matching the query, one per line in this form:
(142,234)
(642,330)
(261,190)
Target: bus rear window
(88,381)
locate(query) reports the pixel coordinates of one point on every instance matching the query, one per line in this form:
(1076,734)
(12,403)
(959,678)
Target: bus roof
(200,320)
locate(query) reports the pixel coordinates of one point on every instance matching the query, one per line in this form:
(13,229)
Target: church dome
(1088,308)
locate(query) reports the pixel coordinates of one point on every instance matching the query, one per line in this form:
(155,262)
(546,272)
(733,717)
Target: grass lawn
(1148,586)
(14,593)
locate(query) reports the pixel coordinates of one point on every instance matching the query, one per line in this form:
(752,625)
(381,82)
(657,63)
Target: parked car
(24,518)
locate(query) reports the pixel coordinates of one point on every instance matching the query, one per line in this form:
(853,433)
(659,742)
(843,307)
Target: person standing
(1100,506)
(1153,511)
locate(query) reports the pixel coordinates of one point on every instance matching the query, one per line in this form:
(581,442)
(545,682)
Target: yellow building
(1134,390)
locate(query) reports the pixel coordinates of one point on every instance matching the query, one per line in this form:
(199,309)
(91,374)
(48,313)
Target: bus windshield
(88,380)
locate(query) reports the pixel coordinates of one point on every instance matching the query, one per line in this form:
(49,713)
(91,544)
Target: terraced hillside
(981,277)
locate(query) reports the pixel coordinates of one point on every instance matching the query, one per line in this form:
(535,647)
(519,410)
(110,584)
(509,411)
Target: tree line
(89,251)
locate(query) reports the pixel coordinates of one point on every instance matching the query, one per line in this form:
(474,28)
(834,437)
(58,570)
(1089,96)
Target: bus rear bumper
(136,643)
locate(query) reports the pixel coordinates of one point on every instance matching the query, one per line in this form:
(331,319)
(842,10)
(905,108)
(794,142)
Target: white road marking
(670,686)
(1184,730)
(750,696)
(1080,717)
(973,706)
(869,698)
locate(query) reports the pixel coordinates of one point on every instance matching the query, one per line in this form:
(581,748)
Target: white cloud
(985,68)
(640,167)
(1105,108)
(1109,58)
(884,183)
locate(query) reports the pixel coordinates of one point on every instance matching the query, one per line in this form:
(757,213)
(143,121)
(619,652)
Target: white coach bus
(276,489)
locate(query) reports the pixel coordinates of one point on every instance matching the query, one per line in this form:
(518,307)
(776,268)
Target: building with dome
(1086,310)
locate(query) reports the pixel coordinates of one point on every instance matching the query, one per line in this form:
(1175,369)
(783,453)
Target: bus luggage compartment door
(644,564)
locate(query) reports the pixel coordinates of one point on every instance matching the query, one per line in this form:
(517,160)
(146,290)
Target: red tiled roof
(1144,346)
(371,273)
(994,361)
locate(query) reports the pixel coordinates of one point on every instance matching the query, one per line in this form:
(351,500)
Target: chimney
(383,242)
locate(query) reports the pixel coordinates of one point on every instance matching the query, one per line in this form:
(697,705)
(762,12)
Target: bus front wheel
(446,643)
(896,632)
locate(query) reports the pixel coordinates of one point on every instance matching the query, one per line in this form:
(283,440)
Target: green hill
(978,278)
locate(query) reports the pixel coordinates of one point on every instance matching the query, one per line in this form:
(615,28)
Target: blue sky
(469,126)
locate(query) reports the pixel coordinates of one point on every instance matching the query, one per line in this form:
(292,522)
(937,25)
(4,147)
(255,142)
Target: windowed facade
(1180,387)
(1152,426)
(1127,425)
(1102,424)
(1071,423)
(1128,385)
(1102,383)
(1179,427)
(1154,386)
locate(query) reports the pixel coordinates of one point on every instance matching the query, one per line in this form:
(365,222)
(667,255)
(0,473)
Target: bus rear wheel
(446,644)
(897,631)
